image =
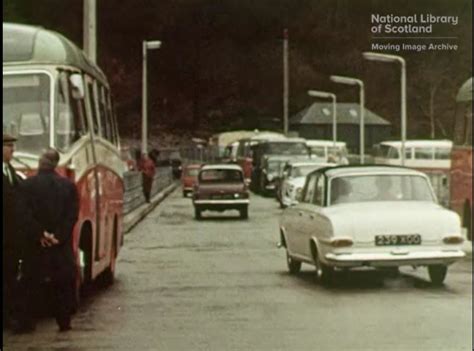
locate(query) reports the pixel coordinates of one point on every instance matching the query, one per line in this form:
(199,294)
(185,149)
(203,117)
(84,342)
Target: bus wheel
(85,249)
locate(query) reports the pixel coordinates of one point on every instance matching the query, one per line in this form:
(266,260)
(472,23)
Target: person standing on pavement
(12,245)
(148,169)
(53,206)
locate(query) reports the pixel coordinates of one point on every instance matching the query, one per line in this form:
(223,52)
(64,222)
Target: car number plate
(387,240)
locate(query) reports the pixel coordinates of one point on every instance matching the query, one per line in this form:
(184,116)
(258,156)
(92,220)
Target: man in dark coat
(52,202)
(11,231)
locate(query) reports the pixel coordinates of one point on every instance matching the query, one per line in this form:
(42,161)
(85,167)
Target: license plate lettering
(390,240)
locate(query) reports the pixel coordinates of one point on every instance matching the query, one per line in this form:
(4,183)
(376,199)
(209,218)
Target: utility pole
(89,28)
(285,82)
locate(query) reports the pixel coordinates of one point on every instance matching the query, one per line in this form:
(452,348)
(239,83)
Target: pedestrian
(12,236)
(148,169)
(52,206)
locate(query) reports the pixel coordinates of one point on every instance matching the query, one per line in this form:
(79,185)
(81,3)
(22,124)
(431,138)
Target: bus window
(392,152)
(463,125)
(91,102)
(26,110)
(408,153)
(111,114)
(423,153)
(442,153)
(105,116)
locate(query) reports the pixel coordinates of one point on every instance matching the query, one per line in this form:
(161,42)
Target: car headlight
(236,195)
(271,176)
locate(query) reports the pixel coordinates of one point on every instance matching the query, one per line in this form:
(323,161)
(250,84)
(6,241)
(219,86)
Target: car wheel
(244,212)
(197,213)
(437,273)
(293,265)
(324,273)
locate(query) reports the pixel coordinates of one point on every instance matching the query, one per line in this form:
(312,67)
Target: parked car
(374,216)
(221,187)
(272,170)
(189,178)
(293,178)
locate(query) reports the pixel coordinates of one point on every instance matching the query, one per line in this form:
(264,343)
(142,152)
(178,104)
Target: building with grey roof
(315,122)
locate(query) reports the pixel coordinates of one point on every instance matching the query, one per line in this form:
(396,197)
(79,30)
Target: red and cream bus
(53,96)
(461,157)
(432,157)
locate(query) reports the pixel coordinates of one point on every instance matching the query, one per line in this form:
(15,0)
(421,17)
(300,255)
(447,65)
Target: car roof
(194,165)
(303,164)
(347,170)
(286,140)
(421,143)
(286,157)
(222,166)
(325,143)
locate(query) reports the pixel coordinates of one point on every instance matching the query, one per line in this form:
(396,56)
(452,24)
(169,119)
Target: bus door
(96,176)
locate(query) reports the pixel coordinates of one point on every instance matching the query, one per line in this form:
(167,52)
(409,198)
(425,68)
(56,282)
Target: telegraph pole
(89,28)
(285,81)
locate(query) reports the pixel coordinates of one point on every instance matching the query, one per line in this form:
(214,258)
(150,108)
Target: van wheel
(437,273)
(294,266)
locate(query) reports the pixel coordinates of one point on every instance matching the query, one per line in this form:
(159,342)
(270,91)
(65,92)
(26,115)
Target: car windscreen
(192,172)
(274,166)
(286,148)
(220,176)
(302,171)
(367,188)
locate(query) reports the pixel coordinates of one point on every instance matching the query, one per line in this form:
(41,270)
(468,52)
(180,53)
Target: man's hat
(7,138)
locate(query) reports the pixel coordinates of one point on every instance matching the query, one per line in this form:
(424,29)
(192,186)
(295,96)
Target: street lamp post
(326,95)
(374,56)
(354,81)
(147,45)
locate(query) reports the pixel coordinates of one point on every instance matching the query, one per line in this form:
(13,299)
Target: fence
(133,196)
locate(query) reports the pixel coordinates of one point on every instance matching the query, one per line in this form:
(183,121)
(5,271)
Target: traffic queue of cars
(336,216)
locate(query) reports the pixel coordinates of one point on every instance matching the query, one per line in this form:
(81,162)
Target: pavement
(134,217)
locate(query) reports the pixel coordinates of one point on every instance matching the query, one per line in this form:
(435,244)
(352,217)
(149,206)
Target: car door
(291,219)
(315,223)
(304,218)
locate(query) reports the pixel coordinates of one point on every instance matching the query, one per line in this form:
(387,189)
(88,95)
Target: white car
(374,216)
(293,179)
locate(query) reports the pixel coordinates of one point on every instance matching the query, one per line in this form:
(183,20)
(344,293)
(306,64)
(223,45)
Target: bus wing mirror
(78,86)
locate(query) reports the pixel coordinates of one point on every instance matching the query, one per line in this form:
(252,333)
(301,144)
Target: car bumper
(222,202)
(393,259)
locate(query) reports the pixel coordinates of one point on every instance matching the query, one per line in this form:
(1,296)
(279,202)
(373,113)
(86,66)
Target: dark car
(221,187)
